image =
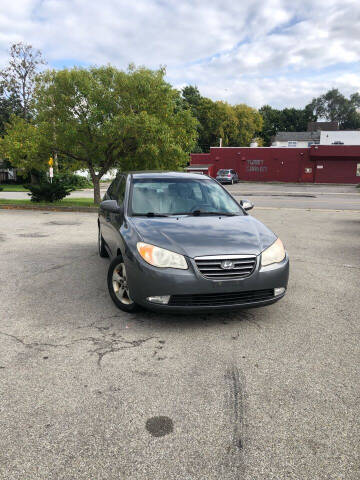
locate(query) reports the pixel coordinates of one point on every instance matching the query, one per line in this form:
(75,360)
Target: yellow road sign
(51,162)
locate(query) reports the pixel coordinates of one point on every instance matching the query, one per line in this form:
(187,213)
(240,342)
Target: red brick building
(315,164)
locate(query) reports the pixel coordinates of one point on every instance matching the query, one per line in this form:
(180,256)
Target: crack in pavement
(32,344)
(106,346)
(108,343)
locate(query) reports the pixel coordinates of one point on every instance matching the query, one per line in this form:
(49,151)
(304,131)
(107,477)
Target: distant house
(296,139)
(6,172)
(340,137)
(318,133)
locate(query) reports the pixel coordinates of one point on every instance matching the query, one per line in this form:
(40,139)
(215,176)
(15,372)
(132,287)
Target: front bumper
(147,281)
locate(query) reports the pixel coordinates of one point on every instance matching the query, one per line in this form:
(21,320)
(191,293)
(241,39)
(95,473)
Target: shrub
(49,192)
(76,181)
(1,189)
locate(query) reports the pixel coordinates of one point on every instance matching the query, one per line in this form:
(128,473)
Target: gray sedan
(227,175)
(181,242)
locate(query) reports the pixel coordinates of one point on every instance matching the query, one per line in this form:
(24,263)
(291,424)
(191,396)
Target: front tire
(118,287)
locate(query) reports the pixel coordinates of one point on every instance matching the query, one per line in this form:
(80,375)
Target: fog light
(163,299)
(279,291)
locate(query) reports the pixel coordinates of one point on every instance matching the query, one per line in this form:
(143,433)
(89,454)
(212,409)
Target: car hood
(206,235)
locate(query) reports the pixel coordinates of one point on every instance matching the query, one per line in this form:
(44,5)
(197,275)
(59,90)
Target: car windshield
(181,196)
(223,172)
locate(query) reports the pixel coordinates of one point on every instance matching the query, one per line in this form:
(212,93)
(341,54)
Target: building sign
(319,166)
(256,166)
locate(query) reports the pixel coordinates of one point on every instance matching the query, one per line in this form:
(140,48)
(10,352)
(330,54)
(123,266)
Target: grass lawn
(67,202)
(12,188)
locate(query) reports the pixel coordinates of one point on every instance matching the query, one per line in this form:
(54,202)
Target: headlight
(274,254)
(159,257)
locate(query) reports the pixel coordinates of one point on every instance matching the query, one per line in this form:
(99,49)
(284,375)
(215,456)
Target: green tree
(286,120)
(217,120)
(9,105)
(334,106)
(103,118)
(17,80)
(249,124)
(192,98)
(236,125)
(26,146)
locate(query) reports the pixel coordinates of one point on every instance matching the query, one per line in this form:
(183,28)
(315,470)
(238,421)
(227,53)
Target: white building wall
(348,137)
(285,144)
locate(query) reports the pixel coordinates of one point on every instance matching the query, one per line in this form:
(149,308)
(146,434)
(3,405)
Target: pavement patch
(159,426)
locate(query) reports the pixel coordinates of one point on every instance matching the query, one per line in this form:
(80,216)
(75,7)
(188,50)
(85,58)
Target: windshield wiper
(149,214)
(204,212)
(153,214)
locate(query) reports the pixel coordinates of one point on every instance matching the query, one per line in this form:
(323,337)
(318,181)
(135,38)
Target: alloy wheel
(120,286)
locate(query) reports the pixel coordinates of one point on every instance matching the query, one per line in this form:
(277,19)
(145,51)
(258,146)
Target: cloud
(259,51)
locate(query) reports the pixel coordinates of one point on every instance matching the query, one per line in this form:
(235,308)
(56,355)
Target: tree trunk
(96,182)
(33,179)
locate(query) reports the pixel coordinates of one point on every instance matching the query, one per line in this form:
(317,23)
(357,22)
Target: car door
(104,217)
(116,219)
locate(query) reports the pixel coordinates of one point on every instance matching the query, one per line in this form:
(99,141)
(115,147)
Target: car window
(171,196)
(111,188)
(120,190)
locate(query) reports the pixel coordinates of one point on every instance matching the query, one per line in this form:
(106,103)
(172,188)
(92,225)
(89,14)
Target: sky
(277,52)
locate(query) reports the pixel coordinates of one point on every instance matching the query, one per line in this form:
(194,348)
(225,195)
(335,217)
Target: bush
(49,192)
(76,181)
(1,189)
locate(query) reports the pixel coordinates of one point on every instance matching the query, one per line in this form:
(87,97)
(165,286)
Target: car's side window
(120,191)
(111,189)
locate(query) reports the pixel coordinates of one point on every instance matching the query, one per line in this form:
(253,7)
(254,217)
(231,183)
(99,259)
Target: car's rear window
(223,172)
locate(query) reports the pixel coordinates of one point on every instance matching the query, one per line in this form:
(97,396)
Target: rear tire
(101,245)
(118,287)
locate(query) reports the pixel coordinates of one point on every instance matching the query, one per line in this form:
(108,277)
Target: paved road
(331,197)
(264,394)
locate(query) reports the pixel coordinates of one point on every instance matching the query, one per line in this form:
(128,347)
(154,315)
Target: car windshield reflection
(171,196)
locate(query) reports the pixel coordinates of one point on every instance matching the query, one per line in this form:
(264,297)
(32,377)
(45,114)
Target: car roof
(169,174)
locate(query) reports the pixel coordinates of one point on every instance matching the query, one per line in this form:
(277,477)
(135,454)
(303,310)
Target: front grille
(213,267)
(213,299)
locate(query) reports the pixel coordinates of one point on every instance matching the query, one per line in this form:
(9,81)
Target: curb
(9,206)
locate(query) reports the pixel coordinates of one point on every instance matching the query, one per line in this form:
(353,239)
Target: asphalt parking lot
(270,393)
(267,195)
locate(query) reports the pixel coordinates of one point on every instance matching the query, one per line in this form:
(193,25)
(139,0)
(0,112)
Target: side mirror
(111,206)
(246,204)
